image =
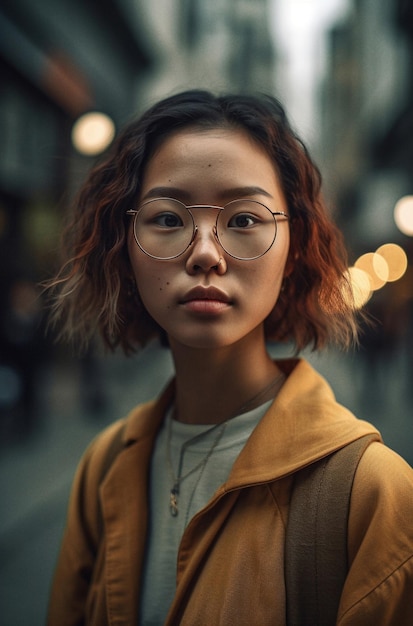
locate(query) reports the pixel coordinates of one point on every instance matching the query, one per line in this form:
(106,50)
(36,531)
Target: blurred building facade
(223,45)
(367,157)
(58,59)
(367,131)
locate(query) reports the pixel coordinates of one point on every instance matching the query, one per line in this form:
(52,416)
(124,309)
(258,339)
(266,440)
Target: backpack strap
(316,561)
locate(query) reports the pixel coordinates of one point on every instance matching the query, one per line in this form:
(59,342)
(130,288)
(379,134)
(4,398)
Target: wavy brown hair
(94,290)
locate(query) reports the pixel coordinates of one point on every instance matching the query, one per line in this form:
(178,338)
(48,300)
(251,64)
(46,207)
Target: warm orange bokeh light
(396,259)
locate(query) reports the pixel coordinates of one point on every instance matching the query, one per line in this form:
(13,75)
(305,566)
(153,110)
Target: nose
(205,252)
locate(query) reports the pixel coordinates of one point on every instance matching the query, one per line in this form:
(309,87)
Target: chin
(202,341)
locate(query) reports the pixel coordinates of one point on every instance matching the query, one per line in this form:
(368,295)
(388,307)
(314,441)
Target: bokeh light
(403,215)
(395,258)
(92,133)
(376,268)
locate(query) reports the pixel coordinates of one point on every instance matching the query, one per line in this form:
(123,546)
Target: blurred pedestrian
(22,356)
(205,225)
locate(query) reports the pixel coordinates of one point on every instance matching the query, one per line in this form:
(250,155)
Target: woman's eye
(168,220)
(242,220)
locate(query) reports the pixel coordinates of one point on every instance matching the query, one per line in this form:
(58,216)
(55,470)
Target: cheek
(261,289)
(152,281)
(265,283)
(274,265)
(152,285)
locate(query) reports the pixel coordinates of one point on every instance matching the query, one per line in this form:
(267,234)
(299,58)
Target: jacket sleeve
(379,587)
(82,541)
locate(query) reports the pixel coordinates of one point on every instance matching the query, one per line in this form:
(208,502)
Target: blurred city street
(36,470)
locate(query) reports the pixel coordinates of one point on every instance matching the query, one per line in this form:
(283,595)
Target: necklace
(220,428)
(177,480)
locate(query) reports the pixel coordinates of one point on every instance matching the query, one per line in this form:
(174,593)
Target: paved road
(35,474)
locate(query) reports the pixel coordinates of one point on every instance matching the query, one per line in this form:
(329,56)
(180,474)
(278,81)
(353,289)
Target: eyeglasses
(164,228)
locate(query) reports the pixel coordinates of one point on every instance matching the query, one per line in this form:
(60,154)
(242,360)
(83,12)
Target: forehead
(213,142)
(206,162)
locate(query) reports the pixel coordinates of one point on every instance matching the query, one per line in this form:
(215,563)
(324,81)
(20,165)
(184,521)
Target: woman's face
(206,298)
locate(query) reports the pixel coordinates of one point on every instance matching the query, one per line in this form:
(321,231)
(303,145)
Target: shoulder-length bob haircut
(94,290)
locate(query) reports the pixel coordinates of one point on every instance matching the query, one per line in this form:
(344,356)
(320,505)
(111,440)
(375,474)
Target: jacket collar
(305,423)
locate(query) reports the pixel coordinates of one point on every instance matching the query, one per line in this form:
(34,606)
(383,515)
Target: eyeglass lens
(164,228)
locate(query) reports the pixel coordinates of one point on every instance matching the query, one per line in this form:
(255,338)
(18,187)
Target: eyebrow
(233,192)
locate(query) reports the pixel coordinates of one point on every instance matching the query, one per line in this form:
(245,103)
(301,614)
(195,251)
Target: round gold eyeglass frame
(134,213)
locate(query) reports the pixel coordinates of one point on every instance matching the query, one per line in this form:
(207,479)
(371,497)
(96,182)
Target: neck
(215,385)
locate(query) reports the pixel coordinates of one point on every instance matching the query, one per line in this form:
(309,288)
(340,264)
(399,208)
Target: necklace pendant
(173,502)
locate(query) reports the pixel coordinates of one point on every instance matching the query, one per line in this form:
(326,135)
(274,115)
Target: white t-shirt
(165,530)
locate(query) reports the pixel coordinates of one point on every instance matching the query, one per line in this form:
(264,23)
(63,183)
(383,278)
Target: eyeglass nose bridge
(195,225)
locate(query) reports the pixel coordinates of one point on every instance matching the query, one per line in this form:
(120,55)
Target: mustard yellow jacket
(230,567)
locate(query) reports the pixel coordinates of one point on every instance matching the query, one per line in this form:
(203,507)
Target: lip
(205,293)
(206,300)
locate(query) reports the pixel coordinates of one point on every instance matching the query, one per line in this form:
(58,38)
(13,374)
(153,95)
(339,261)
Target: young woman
(205,226)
